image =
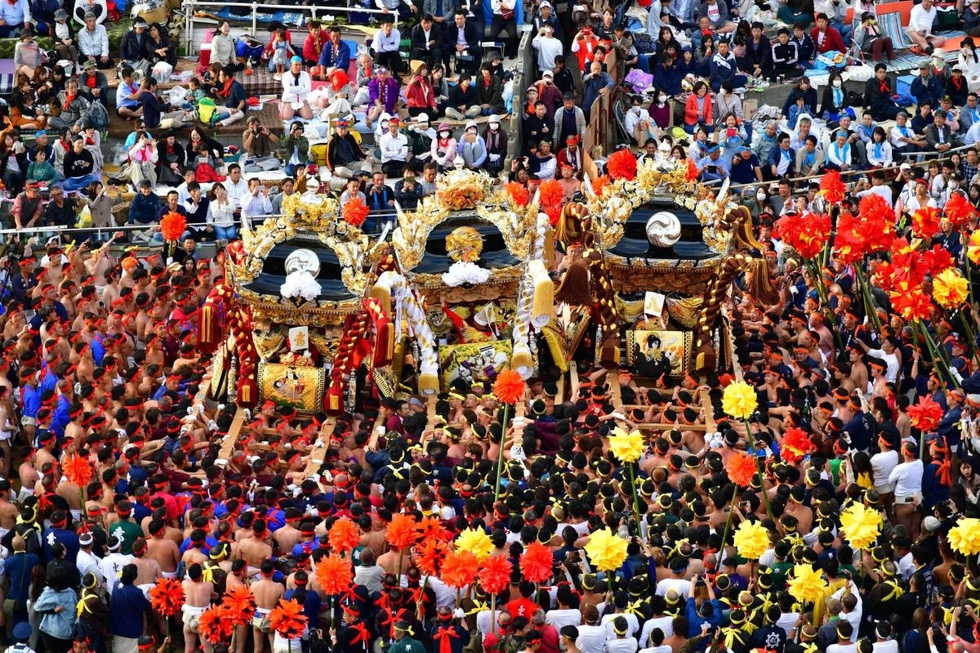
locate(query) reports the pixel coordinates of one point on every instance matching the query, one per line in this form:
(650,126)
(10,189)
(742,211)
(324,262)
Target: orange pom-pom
(509,387)
(692,171)
(622,165)
(518,193)
(167,596)
(334,574)
(925,414)
(599,185)
(550,194)
(429,555)
(215,626)
(172,226)
(355,211)
(344,535)
(495,574)
(741,469)
(536,562)
(958,210)
(288,619)
(402,531)
(459,569)
(239,605)
(432,528)
(77,470)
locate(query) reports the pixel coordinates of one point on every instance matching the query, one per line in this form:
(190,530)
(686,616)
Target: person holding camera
(260,146)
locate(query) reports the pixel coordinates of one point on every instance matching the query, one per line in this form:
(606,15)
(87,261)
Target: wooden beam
(320,449)
(234,432)
(666,426)
(709,413)
(615,390)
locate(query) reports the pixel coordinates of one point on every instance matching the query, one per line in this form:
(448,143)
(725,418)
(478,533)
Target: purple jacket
(390,93)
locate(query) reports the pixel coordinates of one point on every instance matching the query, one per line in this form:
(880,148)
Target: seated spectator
(922,21)
(254,207)
(16,16)
(381,202)
(804,44)
(79,166)
(60,211)
(223,50)
(495,139)
(408,192)
(878,95)
(296,85)
(758,52)
(716,11)
(231,98)
(419,94)
(839,154)
(93,42)
(386,45)
(698,110)
(220,220)
(132,50)
(74,109)
(443,148)
(260,146)
(128,94)
(713,166)
(464,99)
(316,38)
(344,155)
(27,55)
(427,43)
(795,12)
(157,113)
(489,90)
(471,147)
(394,149)
(171,159)
(782,159)
(143,157)
(93,84)
(159,47)
(803,97)
(144,209)
(956,87)
(786,56)
(382,95)
(24,112)
(41,171)
(880,150)
(869,37)
(463,41)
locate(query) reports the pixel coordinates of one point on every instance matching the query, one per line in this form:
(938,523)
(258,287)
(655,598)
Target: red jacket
(314,44)
(419,94)
(832,41)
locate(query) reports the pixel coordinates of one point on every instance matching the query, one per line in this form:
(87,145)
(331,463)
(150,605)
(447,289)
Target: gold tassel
(543,307)
(549,248)
(521,359)
(207,324)
(554,346)
(398,359)
(383,295)
(428,383)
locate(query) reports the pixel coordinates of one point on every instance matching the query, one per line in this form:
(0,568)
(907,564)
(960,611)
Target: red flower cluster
(925,222)
(958,210)
(871,231)
(741,469)
(459,569)
(807,234)
(536,562)
(550,199)
(495,574)
(172,226)
(925,415)
(796,443)
(334,574)
(832,187)
(518,193)
(622,165)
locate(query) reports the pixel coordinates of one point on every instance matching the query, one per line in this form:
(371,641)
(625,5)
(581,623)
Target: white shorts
(169,574)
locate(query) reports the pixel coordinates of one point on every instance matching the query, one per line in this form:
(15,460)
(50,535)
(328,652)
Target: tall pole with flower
(628,447)
(167,599)
(288,621)
(739,401)
(508,388)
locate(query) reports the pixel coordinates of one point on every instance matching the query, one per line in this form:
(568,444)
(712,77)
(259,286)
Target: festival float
(481,277)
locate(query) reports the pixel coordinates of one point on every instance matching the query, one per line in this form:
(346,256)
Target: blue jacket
(927,91)
(144,209)
(58,624)
(342,60)
(126,611)
(668,78)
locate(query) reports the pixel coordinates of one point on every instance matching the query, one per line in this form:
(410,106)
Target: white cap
(905,166)
(548,73)
(471,124)
(544,4)
(494,118)
(930,523)
(422,117)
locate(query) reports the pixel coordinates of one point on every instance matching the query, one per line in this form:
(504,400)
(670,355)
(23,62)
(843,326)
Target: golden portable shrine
(481,277)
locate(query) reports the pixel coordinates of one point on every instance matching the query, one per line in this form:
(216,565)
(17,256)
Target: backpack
(207,111)
(97,115)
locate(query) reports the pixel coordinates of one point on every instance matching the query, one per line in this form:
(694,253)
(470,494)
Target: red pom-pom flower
(288,619)
(402,531)
(167,597)
(334,574)
(495,574)
(355,211)
(509,387)
(741,469)
(536,562)
(622,165)
(344,535)
(172,226)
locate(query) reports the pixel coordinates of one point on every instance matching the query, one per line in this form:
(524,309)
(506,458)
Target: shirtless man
(287,536)
(8,511)
(197,599)
(149,571)
(392,561)
(256,549)
(195,553)
(267,593)
(164,551)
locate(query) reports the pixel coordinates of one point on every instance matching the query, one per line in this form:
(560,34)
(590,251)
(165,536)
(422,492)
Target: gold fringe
(383,295)
(522,359)
(543,306)
(428,383)
(554,346)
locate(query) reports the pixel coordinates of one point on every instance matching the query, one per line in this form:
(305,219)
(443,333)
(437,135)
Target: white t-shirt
(907,478)
(666,624)
(921,20)
(591,639)
(679,585)
(891,360)
(882,465)
(561,618)
(627,645)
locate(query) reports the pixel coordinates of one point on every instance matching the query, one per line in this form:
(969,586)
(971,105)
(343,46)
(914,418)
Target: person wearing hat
(294,149)
(957,87)
(926,88)
(296,85)
(420,97)
(64,36)
(471,147)
(344,155)
(420,136)
(713,166)
(382,96)
(132,50)
(93,85)
(27,54)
